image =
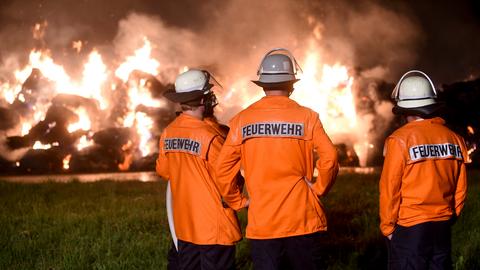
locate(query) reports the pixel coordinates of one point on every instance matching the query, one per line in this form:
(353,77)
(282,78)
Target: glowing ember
(77,45)
(39,145)
(66,162)
(470,130)
(472,149)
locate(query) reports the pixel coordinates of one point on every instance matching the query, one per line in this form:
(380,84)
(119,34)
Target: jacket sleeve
(227,166)
(390,185)
(327,164)
(461,189)
(162,167)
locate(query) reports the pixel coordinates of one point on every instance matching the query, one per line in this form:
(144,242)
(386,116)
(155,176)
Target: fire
(39,145)
(94,76)
(42,61)
(128,156)
(93,86)
(84,142)
(26,126)
(140,61)
(83,123)
(326,88)
(139,94)
(470,130)
(10,92)
(472,149)
(144,126)
(77,45)
(66,162)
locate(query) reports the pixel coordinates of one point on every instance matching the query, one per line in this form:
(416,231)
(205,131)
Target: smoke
(173,47)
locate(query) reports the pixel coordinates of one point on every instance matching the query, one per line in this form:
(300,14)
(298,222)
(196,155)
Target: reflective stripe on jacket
(188,148)
(424,176)
(273,141)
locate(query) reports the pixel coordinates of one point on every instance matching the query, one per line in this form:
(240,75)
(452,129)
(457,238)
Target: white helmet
(277,69)
(190,80)
(190,86)
(414,90)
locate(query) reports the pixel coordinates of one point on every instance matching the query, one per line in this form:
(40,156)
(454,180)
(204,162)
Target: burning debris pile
(81,128)
(111,120)
(109,115)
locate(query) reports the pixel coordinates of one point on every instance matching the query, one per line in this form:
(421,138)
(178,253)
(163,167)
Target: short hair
(189,107)
(285,87)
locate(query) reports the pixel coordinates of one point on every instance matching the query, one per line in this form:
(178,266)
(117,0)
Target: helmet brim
(274,85)
(183,97)
(423,111)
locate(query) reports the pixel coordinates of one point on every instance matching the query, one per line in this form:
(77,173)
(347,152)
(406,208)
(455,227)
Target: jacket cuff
(387,230)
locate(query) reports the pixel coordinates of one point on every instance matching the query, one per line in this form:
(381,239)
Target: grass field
(123,225)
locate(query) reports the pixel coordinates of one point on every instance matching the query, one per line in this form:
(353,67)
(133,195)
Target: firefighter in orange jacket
(207,231)
(423,182)
(274,140)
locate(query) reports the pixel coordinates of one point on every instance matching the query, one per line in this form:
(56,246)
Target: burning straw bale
(113,137)
(51,130)
(96,158)
(74,101)
(39,161)
(110,137)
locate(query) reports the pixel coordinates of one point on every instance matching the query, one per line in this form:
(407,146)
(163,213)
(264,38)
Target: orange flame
(140,61)
(470,130)
(66,162)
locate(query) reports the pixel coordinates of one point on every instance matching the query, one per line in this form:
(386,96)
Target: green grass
(123,225)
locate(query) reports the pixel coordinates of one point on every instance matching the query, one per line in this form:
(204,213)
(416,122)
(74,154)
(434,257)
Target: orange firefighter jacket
(273,141)
(188,148)
(424,176)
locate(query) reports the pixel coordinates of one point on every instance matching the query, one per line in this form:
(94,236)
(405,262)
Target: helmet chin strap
(209,101)
(290,92)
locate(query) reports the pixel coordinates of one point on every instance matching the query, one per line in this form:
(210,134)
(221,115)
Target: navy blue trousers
(422,246)
(203,257)
(296,252)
